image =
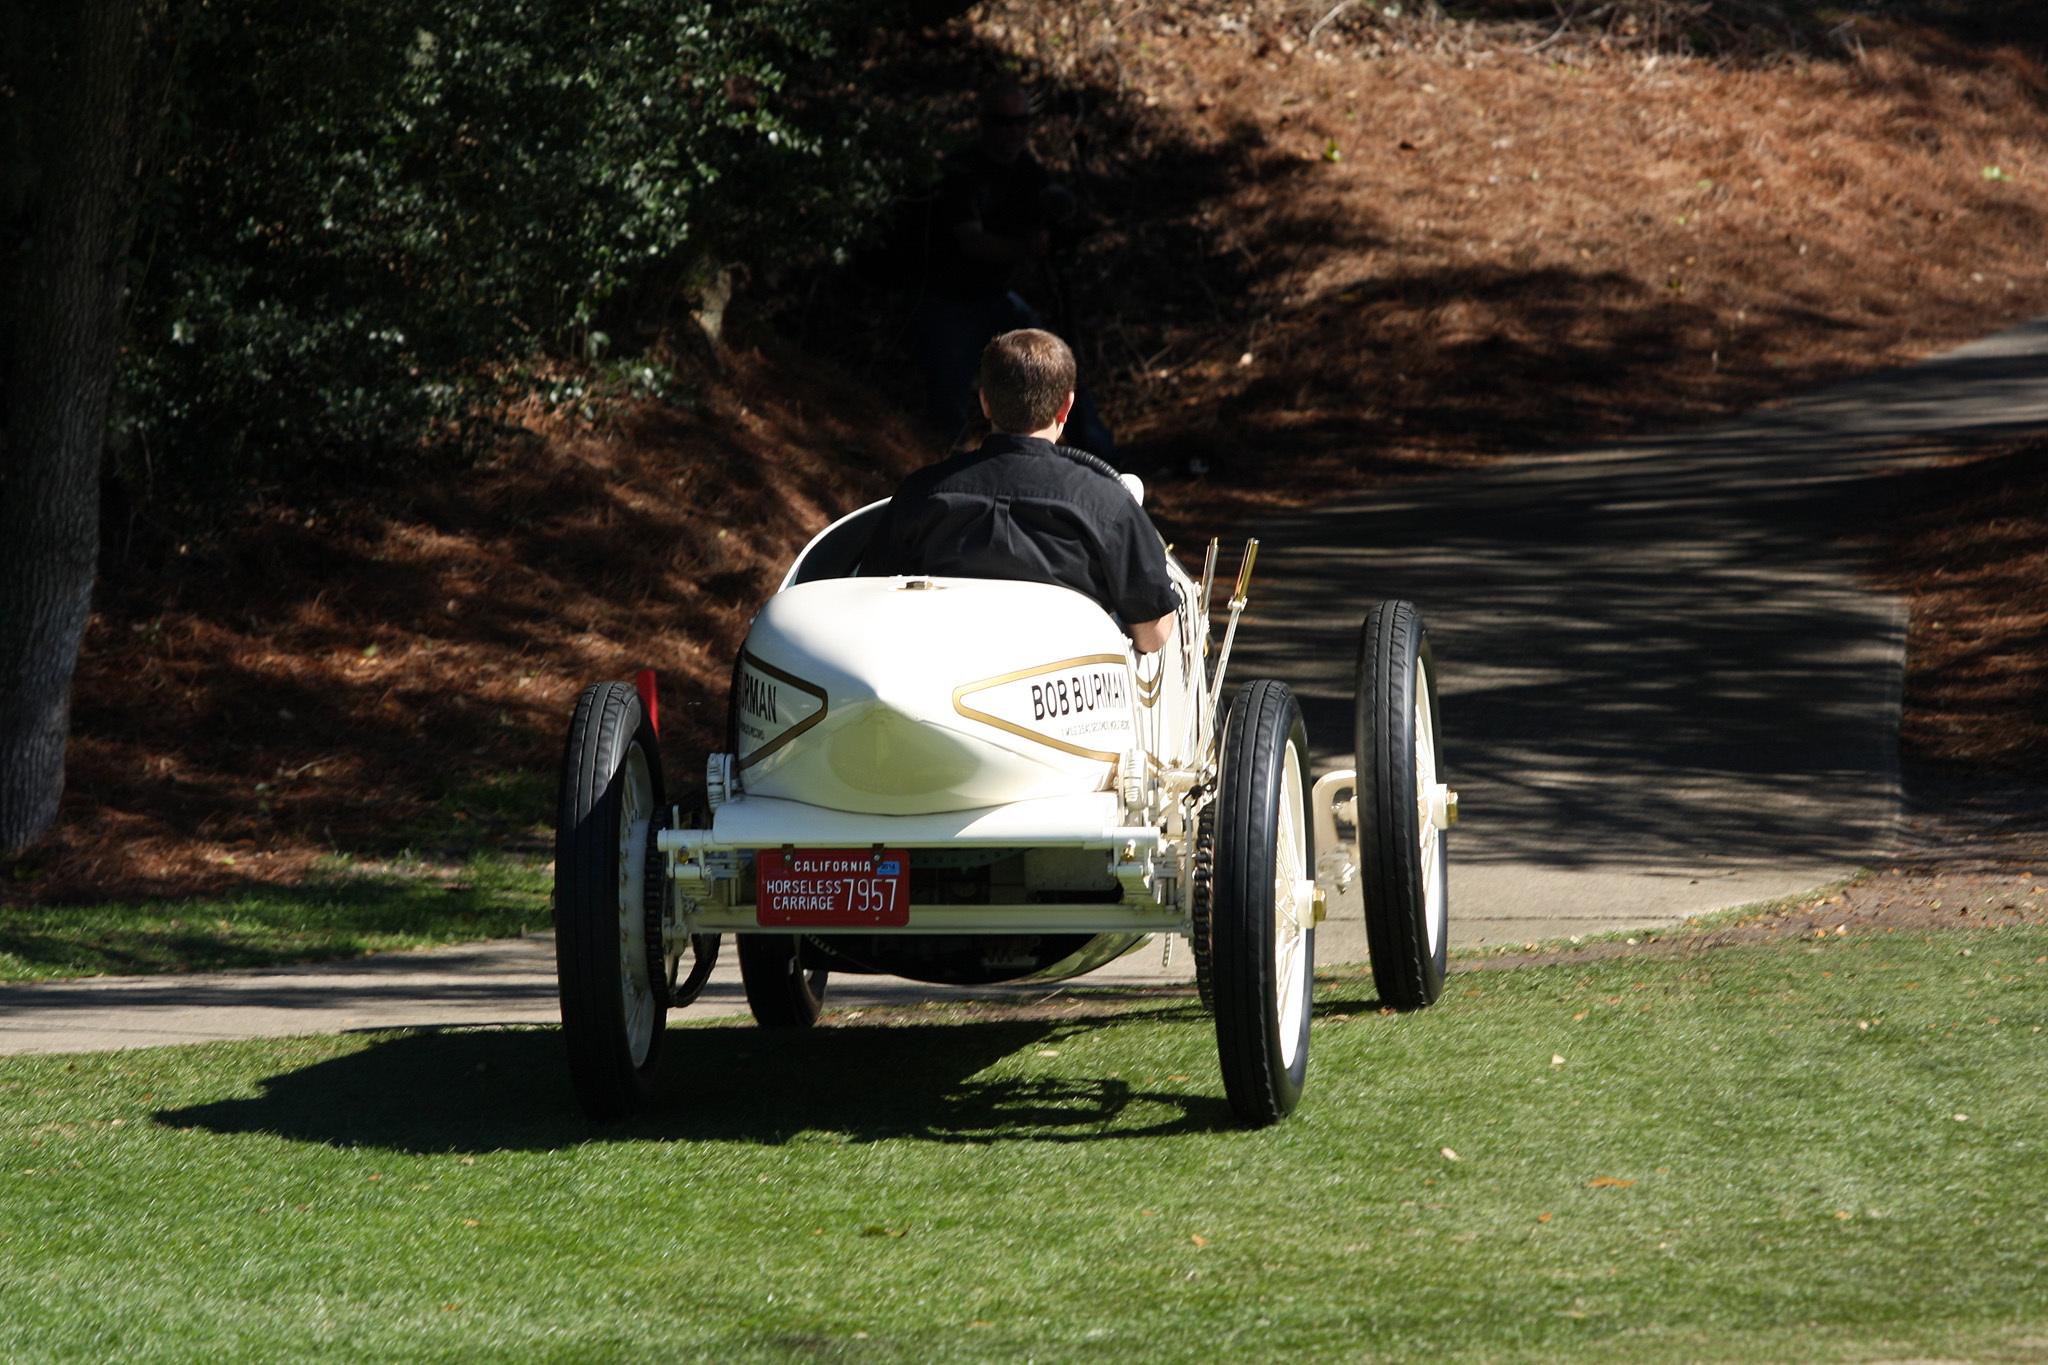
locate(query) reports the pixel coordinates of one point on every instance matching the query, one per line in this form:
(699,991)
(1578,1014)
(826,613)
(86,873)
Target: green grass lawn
(342,912)
(1725,1165)
(477,866)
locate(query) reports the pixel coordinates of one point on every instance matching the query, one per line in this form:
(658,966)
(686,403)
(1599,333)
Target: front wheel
(780,992)
(612,1008)
(1403,865)
(1262,904)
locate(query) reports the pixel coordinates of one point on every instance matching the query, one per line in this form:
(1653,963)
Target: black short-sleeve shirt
(1022,508)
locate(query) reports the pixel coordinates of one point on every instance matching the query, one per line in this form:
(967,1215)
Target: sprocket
(1198,915)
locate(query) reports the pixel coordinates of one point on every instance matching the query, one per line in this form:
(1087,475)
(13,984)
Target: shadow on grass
(503,1090)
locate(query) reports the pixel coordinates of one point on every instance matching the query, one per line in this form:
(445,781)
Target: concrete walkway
(1665,688)
(468,985)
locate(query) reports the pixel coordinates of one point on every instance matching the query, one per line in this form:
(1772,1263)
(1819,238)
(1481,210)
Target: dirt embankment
(1404,247)
(334,673)
(1315,267)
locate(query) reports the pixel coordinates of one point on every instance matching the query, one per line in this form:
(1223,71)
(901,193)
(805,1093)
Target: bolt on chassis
(971,781)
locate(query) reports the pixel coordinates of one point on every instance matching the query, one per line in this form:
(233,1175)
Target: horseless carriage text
(972,781)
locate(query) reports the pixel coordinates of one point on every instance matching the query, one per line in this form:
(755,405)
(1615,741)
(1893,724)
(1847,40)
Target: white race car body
(1003,729)
(894,696)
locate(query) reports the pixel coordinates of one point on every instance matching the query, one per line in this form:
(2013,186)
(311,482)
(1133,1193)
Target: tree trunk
(72,68)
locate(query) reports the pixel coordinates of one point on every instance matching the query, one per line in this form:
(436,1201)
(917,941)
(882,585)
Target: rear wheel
(1403,864)
(780,992)
(1262,908)
(612,999)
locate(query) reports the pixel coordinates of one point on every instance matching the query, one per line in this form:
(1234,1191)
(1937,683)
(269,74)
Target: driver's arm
(1151,636)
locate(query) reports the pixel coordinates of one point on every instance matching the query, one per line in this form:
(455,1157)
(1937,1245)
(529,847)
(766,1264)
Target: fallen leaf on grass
(1199,1240)
(1543,1217)
(471,1223)
(1608,1182)
(1557,1059)
(1449,1155)
(1580,1015)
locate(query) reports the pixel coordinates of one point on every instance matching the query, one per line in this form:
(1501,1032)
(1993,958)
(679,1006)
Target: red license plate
(820,887)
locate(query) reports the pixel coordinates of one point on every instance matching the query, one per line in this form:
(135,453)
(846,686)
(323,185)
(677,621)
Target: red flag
(643,683)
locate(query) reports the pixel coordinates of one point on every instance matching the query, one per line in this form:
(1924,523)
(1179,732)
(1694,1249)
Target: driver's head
(1005,121)
(1026,378)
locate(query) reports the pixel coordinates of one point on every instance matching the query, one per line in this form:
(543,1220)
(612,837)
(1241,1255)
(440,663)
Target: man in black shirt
(988,222)
(1022,507)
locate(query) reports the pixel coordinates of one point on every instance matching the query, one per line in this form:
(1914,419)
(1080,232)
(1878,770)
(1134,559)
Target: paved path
(469,985)
(1665,689)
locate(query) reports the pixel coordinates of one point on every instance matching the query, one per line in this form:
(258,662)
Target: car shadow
(508,1089)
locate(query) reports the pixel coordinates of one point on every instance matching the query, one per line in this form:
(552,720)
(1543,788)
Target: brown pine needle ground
(1432,255)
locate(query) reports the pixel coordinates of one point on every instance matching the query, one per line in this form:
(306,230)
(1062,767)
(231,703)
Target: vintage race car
(973,781)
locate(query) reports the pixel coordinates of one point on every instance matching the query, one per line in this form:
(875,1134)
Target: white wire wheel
(1404,868)
(613,1010)
(1262,906)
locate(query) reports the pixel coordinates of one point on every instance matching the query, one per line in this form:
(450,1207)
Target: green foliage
(362,207)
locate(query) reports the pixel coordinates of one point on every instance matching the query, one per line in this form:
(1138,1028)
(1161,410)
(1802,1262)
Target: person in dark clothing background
(990,220)
(1022,507)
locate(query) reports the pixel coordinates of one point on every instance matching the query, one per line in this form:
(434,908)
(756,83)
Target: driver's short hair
(1026,375)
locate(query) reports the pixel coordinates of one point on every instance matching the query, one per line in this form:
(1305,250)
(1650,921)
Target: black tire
(779,991)
(1403,863)
(1263,966)
(703,957)
(611,797)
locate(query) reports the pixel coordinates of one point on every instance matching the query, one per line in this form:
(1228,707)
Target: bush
(364,209)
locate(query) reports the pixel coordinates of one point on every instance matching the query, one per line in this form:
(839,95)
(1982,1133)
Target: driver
(1021,507)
